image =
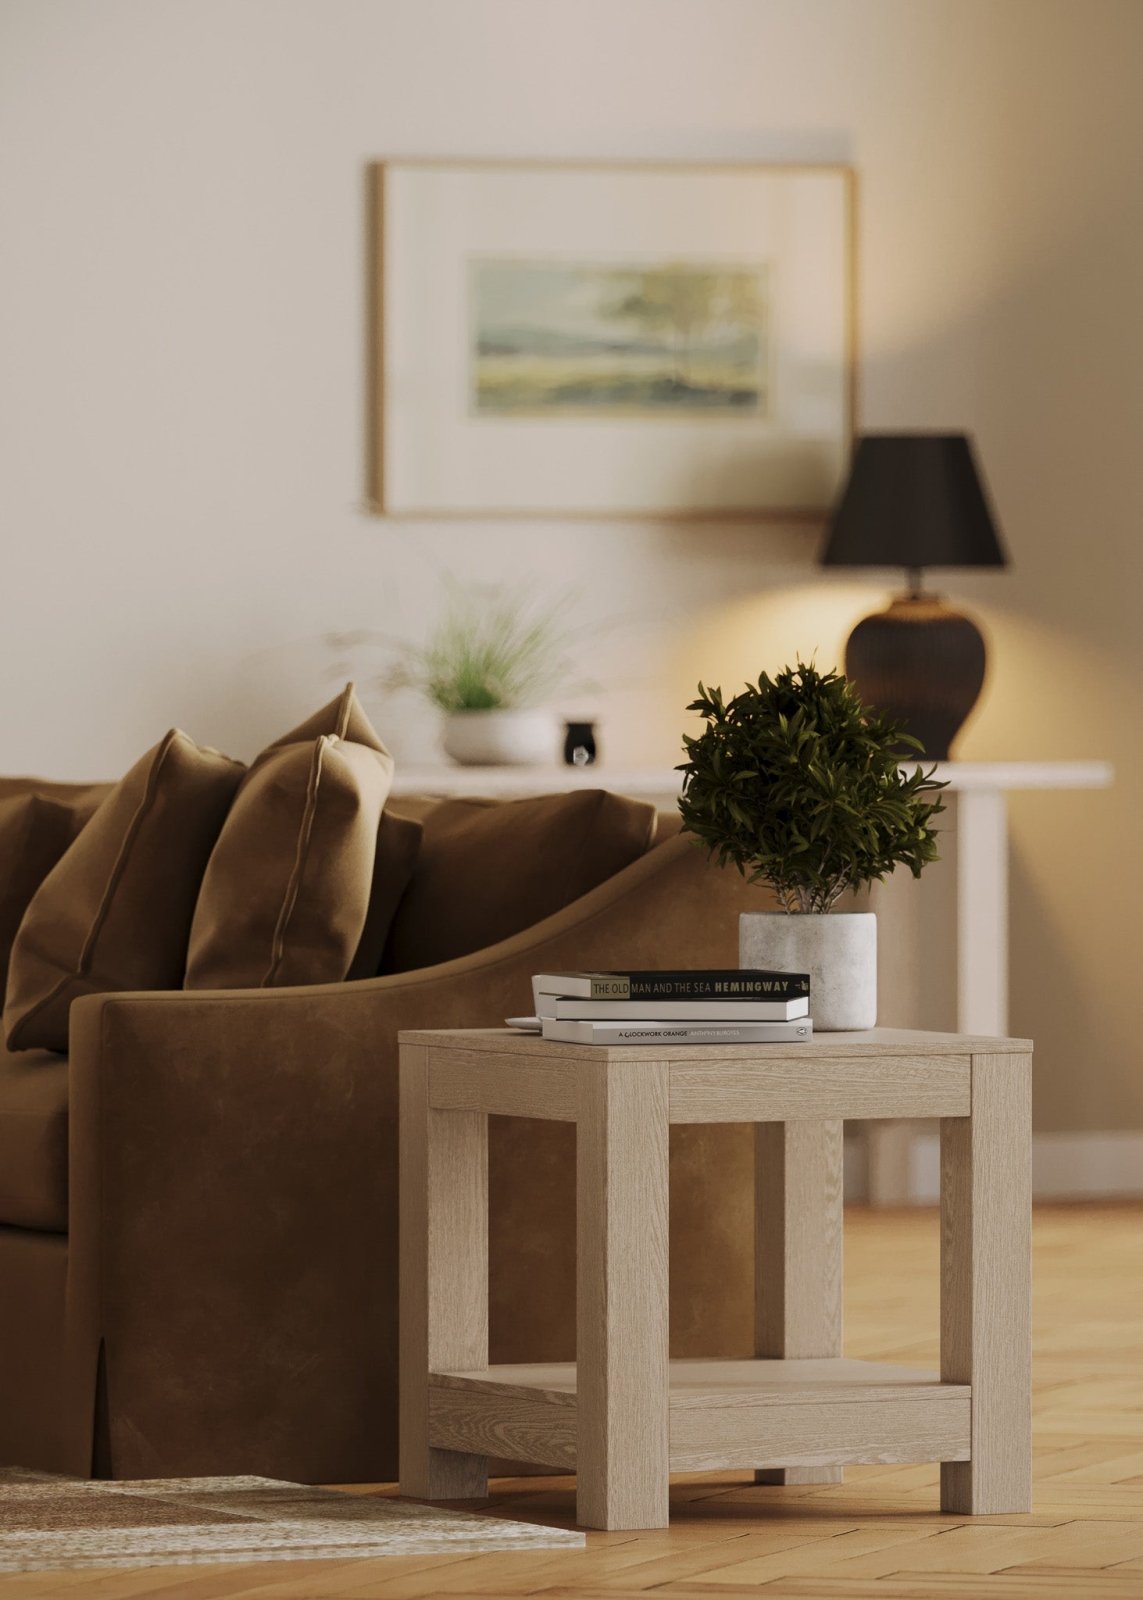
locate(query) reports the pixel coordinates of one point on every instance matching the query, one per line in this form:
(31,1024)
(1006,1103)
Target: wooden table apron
(623,1416)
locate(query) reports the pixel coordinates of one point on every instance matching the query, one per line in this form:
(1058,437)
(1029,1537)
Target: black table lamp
(916,500)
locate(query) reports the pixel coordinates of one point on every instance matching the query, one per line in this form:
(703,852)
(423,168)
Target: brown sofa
(198,1228)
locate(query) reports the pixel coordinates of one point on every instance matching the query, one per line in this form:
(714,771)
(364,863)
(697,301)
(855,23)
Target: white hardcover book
(799,1031)
(698,1011)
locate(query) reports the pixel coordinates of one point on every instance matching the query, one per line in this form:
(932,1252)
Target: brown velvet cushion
(488,870)
(286,895)
(398,846)
(33,1141)
(115,911)
(35,830)
(343,718)
(55,789)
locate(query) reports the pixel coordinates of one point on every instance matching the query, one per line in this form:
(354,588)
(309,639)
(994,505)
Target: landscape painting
(649,340)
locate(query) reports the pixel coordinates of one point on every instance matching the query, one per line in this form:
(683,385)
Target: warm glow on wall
(770,627)
(1036,702)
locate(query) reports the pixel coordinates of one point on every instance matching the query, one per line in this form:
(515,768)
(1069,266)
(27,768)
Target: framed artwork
(610,340)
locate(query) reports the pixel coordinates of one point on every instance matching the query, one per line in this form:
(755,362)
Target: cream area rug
(48,1522)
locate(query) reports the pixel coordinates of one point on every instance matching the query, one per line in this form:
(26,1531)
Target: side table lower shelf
(722,1414)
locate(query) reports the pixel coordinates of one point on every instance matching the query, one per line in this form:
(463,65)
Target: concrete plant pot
(839,951)
(501,738)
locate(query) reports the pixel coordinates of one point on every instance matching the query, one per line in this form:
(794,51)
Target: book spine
(729,983)
(677,986)
(616,1033)
(660,1010)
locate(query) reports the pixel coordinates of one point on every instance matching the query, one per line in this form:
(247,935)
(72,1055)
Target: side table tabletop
(624,1416)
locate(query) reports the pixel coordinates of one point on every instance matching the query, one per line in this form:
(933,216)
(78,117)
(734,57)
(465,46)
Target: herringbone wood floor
(877,1536)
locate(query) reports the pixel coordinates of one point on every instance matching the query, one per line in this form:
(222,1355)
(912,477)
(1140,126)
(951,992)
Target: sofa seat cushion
(33,1140)
(488,869)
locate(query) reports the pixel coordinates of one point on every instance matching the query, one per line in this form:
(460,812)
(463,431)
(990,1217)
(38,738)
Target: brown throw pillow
(286,895)
(343,718)
(115,911)
(488,870)
(398,846)
(72,793)
(35,830)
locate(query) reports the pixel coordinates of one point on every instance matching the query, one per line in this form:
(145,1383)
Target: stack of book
(750,1006)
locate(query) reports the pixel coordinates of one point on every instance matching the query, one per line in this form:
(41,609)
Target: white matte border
(433,457)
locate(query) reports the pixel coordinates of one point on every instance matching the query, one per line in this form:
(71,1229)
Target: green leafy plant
(493,650)
(798,784)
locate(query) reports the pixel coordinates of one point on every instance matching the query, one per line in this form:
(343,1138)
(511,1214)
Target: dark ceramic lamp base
(921,664)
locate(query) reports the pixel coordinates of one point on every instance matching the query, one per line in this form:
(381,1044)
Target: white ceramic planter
(501,738)
(838,950)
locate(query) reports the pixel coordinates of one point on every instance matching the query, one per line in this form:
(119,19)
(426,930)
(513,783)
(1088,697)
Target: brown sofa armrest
(233,1186)
(227,1216)
(669,908)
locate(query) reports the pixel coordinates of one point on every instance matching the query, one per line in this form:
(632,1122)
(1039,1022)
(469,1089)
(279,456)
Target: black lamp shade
(914,500)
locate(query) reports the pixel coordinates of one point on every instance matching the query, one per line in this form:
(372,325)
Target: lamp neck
(915,578)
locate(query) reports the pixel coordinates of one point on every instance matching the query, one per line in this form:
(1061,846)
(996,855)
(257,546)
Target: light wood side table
(623,1416)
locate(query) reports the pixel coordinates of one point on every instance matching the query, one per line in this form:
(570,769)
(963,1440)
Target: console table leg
(623,1437)
(798,1254)
(444,1274)
(982,911)
(986,1249)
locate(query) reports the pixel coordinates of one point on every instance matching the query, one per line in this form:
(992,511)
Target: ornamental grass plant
(806,789)
(493,650)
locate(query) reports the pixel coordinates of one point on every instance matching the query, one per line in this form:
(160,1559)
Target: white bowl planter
(501,738)
(839,951)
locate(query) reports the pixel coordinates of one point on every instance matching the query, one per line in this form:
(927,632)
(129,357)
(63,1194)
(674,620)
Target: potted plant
(491,659)
(801,786)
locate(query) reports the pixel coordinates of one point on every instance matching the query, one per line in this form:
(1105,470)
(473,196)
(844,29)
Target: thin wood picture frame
(546,342)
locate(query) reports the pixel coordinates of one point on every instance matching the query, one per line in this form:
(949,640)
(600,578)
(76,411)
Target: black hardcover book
(718,984)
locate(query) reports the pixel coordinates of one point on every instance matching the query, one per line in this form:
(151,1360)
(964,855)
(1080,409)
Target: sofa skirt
(47,1391)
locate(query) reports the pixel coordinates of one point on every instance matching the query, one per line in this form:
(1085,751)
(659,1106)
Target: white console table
(981,789)
(514,783)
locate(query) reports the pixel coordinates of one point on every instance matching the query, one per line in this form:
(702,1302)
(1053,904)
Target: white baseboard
(1065,1166)
(1075,1164)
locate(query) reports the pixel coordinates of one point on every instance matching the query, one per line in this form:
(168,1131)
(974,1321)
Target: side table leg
(444,1274)
(798,1254)
(622,1374)
(986,1282)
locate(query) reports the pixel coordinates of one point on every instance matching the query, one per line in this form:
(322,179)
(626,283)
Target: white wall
(182,375)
